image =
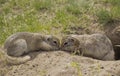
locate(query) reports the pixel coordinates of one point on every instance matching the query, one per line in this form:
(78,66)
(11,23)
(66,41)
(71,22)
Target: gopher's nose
(59,48)
(62,48)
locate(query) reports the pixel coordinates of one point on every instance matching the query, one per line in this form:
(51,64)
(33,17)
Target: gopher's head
(69,44)
(49,43)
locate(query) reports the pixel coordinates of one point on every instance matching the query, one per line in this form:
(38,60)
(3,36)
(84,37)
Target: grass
(77,66)
(42,4)
(113,2)
(53,16)
(104,16)
(109,14)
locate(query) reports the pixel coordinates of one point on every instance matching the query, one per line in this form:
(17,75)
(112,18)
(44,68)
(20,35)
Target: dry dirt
(60,63)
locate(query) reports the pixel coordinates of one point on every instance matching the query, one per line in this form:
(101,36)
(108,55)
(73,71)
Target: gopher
(97,46)
(21,43)
(14,60)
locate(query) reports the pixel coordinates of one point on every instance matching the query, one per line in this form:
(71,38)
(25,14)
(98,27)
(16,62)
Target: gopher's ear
(46,37)
(77,42)
(37,36)
(72,40)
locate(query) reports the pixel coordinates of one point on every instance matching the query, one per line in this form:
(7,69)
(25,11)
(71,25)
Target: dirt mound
(60,63)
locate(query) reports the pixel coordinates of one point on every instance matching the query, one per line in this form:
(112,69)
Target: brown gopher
(22,43)
(97,46)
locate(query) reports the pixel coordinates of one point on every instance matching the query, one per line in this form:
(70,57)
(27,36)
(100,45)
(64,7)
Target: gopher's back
(102,40)
(19,35)
(103,47)
(96,46)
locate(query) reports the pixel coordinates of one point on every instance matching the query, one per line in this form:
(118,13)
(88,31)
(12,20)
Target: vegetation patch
(55,16)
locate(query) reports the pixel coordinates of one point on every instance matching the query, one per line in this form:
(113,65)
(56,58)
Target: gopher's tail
(17,60)
(14,60)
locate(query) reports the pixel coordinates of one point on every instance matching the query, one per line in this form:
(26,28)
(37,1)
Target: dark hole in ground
(117,52)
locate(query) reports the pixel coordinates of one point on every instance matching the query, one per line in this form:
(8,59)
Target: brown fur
(24,42)
(96,45)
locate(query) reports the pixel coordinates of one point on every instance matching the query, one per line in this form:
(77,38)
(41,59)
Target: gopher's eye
(55,42)
(65,43)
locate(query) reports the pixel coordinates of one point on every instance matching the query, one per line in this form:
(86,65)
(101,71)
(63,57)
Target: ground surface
(60,63)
